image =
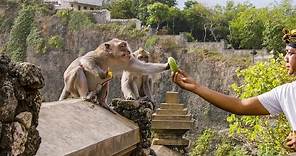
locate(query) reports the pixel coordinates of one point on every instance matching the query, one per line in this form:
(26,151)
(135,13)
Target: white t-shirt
(281,99)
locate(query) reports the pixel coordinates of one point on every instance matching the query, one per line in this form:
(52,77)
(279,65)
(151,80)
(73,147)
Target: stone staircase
(170,122)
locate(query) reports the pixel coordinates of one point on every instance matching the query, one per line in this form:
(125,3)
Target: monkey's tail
(64,94)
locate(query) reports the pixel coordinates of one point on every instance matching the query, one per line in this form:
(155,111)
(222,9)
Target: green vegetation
(36,40)
(151,42)
(56,42)
(19,33)
(201,144)
(76,20)
(262,132)
(242,25)
(127,31)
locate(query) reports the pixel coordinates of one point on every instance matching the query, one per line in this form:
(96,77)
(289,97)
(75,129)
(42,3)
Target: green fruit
(173,64)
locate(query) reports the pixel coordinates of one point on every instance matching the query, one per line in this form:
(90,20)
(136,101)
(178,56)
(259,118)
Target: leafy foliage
(16,46)
(264,133)
(151,41)
(201,144)
(76,20)
(56,41)
(36,40)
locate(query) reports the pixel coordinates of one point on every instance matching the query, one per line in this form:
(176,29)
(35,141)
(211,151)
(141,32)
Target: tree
(174,13)
(170,3)
(246,30)
(158,13)
(123,9)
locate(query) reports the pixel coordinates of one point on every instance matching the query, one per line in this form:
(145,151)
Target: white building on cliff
(79,4)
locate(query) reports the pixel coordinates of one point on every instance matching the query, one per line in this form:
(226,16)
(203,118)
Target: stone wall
(20,103)
(104,16)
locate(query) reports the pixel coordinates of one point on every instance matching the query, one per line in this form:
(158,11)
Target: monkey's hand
(167,66)
(106,106)
(106,74)
(130,98)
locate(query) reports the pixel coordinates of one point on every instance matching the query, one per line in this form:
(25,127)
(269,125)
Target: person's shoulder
(287,85)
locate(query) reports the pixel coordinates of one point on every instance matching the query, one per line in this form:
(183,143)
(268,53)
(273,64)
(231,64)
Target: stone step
(172,106)
(172,97)
(171,111)
(164,151)
(177,142)
(171,117)
(172,124)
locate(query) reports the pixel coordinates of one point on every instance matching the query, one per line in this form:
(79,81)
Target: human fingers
(183,73)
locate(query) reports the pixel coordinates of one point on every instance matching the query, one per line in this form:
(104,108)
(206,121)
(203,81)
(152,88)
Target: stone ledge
(171,111)
(171,117)
(172,106)
(179,142)
(171,124)
(76,127)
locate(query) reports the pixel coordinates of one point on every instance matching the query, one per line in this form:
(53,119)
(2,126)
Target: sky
(210,3)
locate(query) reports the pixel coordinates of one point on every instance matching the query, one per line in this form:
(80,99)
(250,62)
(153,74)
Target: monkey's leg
(64,94)
(126,86)
(135,89)
(147,83)
(81,83)
(102,96)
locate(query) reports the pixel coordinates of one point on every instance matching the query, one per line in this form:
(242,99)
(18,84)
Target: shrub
(56,41)
(262,132)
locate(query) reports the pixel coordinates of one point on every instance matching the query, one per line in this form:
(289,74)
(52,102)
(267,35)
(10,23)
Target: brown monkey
(136,85)
(87,75)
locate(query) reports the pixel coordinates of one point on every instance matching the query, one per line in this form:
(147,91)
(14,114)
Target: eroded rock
(20,103)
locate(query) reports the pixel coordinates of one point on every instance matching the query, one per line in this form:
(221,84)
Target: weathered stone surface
(25,119)
(20,102)
(30,76)
(8,102)
(164,151)
(19,138)
(76,127)
(140,111)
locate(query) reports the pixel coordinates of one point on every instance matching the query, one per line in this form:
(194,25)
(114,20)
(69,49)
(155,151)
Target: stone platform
(75,127)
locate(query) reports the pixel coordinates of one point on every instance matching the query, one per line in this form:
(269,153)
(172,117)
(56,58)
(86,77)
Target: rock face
(139,111)
(20,102)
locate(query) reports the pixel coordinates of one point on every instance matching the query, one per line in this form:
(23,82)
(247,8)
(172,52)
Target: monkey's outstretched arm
(91,66)
(150,68)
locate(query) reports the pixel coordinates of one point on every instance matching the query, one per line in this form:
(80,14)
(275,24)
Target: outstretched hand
(291,142)
(184,80)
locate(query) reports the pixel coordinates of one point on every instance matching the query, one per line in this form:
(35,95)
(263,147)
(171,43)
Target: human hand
(184,80)
(290,142)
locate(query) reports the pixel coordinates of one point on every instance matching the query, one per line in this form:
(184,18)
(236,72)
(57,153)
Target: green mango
(173,64)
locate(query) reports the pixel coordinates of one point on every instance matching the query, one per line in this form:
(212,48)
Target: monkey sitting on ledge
(136,85)
(87,75)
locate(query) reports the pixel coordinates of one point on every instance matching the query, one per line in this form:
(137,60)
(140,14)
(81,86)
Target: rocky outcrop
(20,102)
(139,111)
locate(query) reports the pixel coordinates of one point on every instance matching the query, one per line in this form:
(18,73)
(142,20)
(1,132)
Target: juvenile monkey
(136,85)
(87,76)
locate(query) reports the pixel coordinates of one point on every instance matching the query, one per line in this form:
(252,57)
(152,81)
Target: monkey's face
(143,58)
(118,50)
(142,55)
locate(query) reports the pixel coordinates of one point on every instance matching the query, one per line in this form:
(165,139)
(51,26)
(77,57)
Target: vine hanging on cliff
(16,46)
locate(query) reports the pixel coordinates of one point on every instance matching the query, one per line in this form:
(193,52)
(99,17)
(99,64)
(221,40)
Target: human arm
(249,106)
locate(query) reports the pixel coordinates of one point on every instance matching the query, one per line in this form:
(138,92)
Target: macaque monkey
(136,85)
(87,75)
